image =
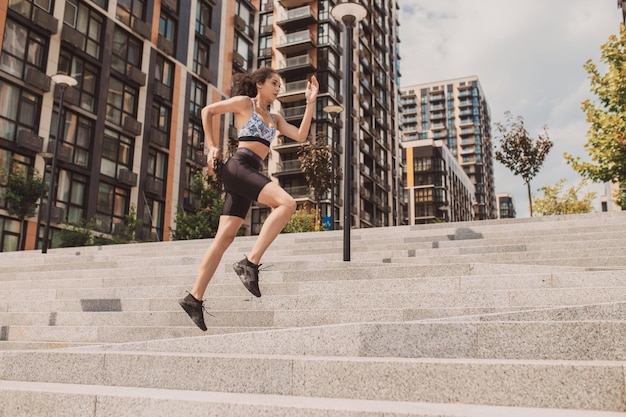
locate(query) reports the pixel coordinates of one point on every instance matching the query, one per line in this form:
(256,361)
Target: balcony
(290,4)
(294,113)
(294,66)
(296,42)
(293,91)
(296,18)
(290,167)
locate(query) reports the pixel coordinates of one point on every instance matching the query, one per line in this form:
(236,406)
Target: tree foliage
(303,220)
(315,163)
(202,223)
(23,189)
(556,201)
(606,136)
(519,152)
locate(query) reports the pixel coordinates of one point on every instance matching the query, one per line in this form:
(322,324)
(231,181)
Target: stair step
(590,385)
(21,399)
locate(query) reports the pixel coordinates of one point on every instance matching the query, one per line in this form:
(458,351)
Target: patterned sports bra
(255,129)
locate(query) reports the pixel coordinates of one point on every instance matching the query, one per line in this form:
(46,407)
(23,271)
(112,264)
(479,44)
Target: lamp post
(350,14)
(333,110)
(62,81)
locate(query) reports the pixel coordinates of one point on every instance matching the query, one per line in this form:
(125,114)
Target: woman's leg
(284,206)
(226,232)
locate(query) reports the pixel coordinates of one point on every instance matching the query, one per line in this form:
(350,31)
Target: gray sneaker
(249,275)
(195,309)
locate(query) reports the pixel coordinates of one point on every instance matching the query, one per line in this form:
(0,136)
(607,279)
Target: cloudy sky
(528,56)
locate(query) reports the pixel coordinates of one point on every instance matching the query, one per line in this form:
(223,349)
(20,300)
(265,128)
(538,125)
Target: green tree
(520,153)
(556,201)
(606,136)
(202,223)
(315,163)
(302,221)
(22,191)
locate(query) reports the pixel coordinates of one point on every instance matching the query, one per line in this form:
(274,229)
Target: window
(161,117)
(121,101)
(198,98)
(422,164)
(153,219)
(23,162)
(201,56)
(157,166)
(72,196)
(77,133)
(164,71)
(195,139)
(22,48)
(117,153)
(18,109)
(113,205)
(190,173)
(327,35)
(130,10)
(243,11)
(243,47)
(167,26)
(204,16)
(27,7)
(87,76)
(9,234)
(86,21)
(156,174)
(127,50)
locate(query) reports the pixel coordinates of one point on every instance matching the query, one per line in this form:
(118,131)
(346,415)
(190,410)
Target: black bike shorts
(243,182)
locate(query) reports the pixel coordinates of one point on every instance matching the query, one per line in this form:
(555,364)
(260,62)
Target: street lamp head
(333,109)
(64,80)
(348,12)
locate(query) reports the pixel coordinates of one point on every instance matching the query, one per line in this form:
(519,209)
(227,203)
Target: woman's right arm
(232,105)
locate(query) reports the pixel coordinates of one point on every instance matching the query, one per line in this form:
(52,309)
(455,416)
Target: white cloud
(528,56)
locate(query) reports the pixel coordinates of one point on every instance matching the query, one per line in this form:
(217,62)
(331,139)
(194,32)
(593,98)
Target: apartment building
(301,38)
(438,188)
(131,134)
(130,130)
(456,113)
(506,206)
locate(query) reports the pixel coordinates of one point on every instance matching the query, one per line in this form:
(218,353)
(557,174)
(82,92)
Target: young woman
(251,96)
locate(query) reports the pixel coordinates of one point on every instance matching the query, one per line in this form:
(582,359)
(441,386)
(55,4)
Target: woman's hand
(312,88)
(211,156)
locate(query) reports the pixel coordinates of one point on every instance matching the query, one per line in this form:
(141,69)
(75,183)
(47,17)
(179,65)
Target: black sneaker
(249,275)
(195,309)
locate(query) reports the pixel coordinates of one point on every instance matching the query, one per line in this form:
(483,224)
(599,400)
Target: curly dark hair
(245,84)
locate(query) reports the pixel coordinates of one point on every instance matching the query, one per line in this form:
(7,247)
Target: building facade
(455,112)
(131,136)
(301,38)
(506,206)
(438,188)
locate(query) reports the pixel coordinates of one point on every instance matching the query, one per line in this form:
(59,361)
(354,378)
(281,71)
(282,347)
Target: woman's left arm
(300,134)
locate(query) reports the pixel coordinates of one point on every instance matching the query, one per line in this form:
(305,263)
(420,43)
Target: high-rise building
(456,112)
(506,206)
(131,133)
(438,189)
(301,38)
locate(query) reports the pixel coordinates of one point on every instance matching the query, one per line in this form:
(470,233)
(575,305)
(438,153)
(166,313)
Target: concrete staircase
(521,317)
